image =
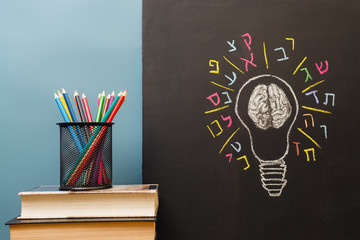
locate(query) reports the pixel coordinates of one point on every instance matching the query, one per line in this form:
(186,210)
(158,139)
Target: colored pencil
(81,114)
(91,171)
(99,162)
(79,107)
(100,173)
(100,108)
(68,103)
(63,102)
(112,97)
(95,169)
(106,105)
(87,109)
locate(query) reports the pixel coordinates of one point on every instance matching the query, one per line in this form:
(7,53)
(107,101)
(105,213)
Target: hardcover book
(118,201)
(85,228)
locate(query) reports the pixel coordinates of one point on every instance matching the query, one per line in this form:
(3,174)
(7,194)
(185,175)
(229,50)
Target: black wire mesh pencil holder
(85,155)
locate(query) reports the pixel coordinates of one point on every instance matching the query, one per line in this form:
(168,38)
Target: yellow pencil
(62,99)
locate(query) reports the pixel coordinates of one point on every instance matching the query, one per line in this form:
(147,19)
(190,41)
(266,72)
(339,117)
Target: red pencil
(117,107)
(87,109)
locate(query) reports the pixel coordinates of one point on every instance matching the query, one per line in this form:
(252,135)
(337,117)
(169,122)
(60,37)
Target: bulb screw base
(273,176)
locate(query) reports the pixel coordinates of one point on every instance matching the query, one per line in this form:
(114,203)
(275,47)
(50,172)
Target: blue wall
(85,45)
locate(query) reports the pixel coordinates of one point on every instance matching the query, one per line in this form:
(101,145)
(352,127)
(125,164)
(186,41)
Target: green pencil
(100,108)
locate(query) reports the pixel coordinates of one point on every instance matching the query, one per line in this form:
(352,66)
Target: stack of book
(121,212)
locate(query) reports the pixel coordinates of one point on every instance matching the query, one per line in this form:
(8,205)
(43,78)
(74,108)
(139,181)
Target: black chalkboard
(251,118)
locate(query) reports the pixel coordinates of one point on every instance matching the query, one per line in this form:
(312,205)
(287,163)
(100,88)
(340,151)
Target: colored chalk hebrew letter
(247,163)
(233,48)
(312,119)
(247,61)
(228,118)
(214,63)
(297,148)
(327,96)
(247,42)
(314,93)
(307,154)
(217,100)
(232,80)
(325,130)
(229,156)
(307,74)
(283,50)
(320,67)
(292,42)
(236,149)
(228,96)
(218,125)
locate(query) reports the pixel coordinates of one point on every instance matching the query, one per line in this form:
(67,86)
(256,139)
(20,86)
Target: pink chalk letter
(217,100)
(321,66)
(247,61)
(228,118)
(229,156)
(247,42)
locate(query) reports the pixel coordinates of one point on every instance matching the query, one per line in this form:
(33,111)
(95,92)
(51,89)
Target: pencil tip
(120,93)
(55,95)
(113,93)
(83,95)
(63,90)
(103,93)
(76,93)
(108,96)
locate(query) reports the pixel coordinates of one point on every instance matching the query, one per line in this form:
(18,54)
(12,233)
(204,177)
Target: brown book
(87,228)
(119,201)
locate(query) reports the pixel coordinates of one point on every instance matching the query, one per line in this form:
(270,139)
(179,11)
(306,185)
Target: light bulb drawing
(268,117)
(252,108)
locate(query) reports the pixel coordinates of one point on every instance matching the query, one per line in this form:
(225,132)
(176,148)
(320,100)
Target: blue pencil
(66,119)
(71,110)
(61,108)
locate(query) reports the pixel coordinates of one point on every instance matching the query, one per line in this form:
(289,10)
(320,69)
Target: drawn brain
(268,106)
